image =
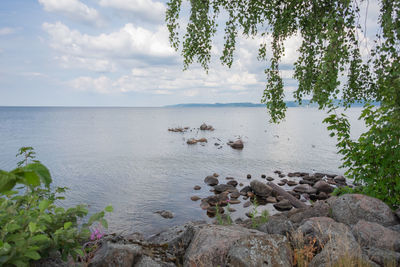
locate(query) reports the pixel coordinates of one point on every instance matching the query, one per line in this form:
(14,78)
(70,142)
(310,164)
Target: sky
(116,53)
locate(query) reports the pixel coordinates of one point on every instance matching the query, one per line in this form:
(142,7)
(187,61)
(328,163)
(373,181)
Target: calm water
(126,157)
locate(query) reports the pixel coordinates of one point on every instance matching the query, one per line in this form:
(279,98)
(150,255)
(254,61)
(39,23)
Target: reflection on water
(126,157)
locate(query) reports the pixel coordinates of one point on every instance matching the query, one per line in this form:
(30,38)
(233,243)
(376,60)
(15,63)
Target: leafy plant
(32,226)
(258,220)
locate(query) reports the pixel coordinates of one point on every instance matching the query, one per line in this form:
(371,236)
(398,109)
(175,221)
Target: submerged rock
(211,180)
(260,188)
(165,214)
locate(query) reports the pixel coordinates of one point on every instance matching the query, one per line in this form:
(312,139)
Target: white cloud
(145,9)
(103,51)
(73,9)
(6,31)
(102,84)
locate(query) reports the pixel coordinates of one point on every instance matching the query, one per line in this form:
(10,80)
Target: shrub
(32,226)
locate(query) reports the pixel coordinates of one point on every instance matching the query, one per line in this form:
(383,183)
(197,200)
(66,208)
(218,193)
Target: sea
(127,158)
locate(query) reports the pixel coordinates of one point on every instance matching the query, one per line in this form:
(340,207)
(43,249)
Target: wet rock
(191,141)
(323,186)
(234,201)
(292,183)
(230,209)
(260,188)
(194,198)
(232,183)
(216,144)
(204,205)
(351,208)
(213,210)
(235,195)
(281,183)
(248,176)
(306,182)
(211,243)
(224,187)
(241,184)
(238,144)
(263,176)
(270,179)
(205,127)
(280,198)
(290,174)
(215,174)
(305,188)
(283,205)
(267,250)
(229,178)
(295,194)
(339,179)
(165,214)
(281,175)
(202,140)
(250,194)
(244,190)
(247,204)
(211,180)
(371,234)
(197,187)
(271,200)
(277,172)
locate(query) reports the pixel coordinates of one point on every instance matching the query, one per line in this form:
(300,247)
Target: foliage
(258,220)
(32,226)
(333,64)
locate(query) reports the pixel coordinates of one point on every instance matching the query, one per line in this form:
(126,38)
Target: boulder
(397,212)
(224,187)
(277,225)
(165,214)
(233,183)
(270,179)
(211,180)
(238,144)
(263,176)
(260,188)
(318,209)
(305,188)
(383,257)
(266,250)
(323,186)
(283,205)
(235,195)
(194,198)
(211,243)
(271,200)
(351,208)
(234,201)
(244,190)
(292,183)
(370,234)
(113,254)
(339,179)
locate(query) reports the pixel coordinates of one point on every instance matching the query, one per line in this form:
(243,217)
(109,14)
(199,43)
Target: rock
(323,186)
(216,144)
(247,204)
(215,174)
(271,200)
(197,187)
(397,212)
(244,190)
(211,243)
(241,184)
(202,140)
(306,182)
(260,188)
(205,127)
(280,198)
(229,178)
(305,188)
(194,198)
(339,179)
(234,201)
(281,175)
(284,180)
(250,194)
(318,209)
(213,210)
(146,261)
(248,176)
(295,194)
(322,196)
(238,144)
(277,172)
(224,187)
(281,183)
(371,234)
(191,141)
(283,205)
(165,214)
(290,174)
(270,179)
(112,254)
(204,205)
(267,250)
(263,176)
(211,180)
(292,183)
(351,208)
(277,225)
(395,228)
(176,239)
(232,183)
(383,257)
(235,195)
(230,209)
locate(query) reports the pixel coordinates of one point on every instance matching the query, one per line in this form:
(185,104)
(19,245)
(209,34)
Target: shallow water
(126,157)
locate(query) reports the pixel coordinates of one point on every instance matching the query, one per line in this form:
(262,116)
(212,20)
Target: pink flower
(96,234)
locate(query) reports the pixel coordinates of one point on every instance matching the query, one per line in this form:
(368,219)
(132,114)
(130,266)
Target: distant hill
(253,105)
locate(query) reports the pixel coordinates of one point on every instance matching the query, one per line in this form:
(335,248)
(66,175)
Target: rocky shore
(350,230)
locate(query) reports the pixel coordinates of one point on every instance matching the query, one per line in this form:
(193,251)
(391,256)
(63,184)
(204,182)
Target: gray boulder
(211,243)
(267,250)
(238,144)
(382,257)
(224,187)
(351,208)
(323,186)
(305,188)
(283,205)
(370,234)
(119,255)
(277,225)
(260,188)
(318,209)
(211,180)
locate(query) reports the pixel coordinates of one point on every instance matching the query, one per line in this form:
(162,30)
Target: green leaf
(44,204)
(32,227)
(109,208)
(67,225)
(12,227)
(104,223)
(79,252)
(31,178)
(7,181)
(32,255)
(41,171)
(40,238)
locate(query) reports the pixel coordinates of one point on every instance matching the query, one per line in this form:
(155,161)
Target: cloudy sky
(114,53)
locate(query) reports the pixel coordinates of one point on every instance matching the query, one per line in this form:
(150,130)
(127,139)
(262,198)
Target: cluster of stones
(205,127)
(178,129)
(352,226)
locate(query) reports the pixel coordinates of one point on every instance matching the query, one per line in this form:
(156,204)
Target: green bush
(32,226)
